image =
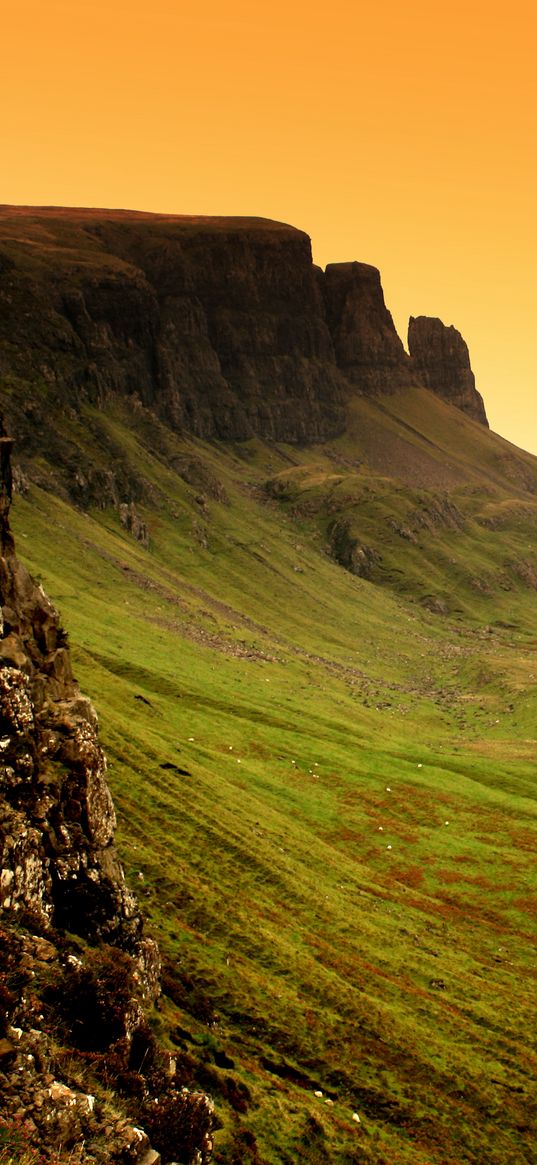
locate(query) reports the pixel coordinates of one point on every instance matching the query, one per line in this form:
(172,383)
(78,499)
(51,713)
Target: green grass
(398,981)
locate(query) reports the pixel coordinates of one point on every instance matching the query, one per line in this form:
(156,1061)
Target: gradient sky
(401,134)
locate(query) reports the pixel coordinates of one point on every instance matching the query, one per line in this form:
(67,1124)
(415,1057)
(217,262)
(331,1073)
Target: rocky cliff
(367,347)
(75,967)
(221,327)
(57,856)
(442,362)
(217,325)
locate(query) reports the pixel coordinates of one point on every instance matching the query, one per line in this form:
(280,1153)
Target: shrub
(94,1000)
(16,1147)
(180,1126)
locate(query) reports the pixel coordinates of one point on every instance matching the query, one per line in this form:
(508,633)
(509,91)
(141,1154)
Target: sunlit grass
(326,804)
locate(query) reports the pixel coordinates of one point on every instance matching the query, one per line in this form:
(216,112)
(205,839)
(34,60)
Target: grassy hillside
(325,783)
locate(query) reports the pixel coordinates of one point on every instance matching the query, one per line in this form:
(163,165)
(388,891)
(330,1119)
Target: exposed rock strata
(218,327)
(367,347)
(442,362)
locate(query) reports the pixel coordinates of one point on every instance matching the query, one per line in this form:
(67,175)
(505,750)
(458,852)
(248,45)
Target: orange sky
(400,133)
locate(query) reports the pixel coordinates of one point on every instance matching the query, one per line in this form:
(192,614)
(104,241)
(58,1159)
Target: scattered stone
(44,951)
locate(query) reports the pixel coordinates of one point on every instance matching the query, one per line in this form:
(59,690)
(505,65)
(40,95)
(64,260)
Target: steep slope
(62,998)
(325,781)
(414,498)
(298,739)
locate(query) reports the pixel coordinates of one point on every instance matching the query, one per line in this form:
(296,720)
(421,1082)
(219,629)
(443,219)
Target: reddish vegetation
(409,875)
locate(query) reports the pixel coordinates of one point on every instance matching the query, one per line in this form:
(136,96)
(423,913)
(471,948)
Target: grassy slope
(322,719)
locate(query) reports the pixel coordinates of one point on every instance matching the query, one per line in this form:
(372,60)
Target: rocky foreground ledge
(82,1077)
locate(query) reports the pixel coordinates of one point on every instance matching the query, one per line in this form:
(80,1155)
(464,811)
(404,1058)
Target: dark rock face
(442,363)
(367,347)
(220,327)
(243,346)
(216,325)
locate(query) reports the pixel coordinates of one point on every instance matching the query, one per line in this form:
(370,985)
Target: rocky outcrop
(133,523)
(76,970)
(57,822)
(347,549)
(367,347)
(442,362)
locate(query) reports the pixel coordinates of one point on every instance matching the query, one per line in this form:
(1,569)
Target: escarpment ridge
(223,327)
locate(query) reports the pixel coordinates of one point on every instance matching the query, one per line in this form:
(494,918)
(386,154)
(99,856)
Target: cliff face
(217,325)
(243,348)
(367,347)
(223,328)
(442,363)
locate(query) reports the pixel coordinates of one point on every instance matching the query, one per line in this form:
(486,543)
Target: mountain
(223,326)
(298,574)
